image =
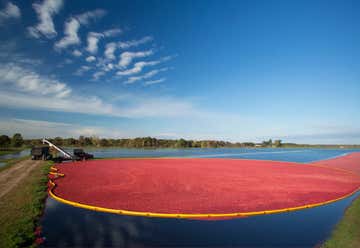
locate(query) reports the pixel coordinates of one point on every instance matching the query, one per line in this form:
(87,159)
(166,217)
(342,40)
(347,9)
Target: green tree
(4,141)
(103,142)
(267,143)
(277,143)
(181,143)
(69,142)
(17,140)
(58,141)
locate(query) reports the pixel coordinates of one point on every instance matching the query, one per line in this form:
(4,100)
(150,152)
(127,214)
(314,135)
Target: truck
(40,153)
(43,152)
(79,154)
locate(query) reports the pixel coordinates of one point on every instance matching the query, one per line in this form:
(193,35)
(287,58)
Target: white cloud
(140,65)
(112,32)
(134,43)
(127,57)
(45,12)
(11,11)
(77,53)
(110,50)
(29,81)
(109,67)
(150,82)
(39,129)
(94,37)
(90,59)
(72,27)
(145,76)
(85,17)
(82,69)
(71,34)
(73,104)
(98,74)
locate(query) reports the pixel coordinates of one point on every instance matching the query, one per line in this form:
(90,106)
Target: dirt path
(11,177)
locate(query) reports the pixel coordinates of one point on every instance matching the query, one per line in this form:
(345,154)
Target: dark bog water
(65,226)
(15,155)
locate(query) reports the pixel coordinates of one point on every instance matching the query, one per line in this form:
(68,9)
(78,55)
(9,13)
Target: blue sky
(229,70)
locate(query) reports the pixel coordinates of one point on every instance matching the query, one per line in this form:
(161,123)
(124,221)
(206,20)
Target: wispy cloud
(86,17)
(71,34)
(82,69)
(140,65)
(72,27)
(39,128)
(127,57)
(150,82)
(147,75)
(90,59)
(112,46)
(11,11)
(26,80)
(112,32)
(110,50)
(45,11)
(94,37)
(134,43)
(77,53)
(136,108)
(98,74)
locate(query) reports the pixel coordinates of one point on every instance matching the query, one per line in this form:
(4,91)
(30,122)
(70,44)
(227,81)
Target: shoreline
(346,233)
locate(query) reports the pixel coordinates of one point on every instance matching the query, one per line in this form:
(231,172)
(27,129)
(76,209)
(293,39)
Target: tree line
(142,142)
(17,141)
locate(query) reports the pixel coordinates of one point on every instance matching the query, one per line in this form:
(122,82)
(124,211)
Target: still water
(20,154)
(67,226)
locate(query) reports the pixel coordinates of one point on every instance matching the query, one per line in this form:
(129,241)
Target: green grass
(21,208)
(347,233)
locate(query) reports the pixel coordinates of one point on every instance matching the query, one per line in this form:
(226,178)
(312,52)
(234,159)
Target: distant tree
(35,142)
(70,142)
(88,141)
(4,141)
(277,143)
(85,141)
(17,140)
(248,144)
(95,141)
(58,141)
(103,142)
(181,143)
(267,143)
(81,140)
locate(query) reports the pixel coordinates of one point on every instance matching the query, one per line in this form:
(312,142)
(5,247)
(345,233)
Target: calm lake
(67,226)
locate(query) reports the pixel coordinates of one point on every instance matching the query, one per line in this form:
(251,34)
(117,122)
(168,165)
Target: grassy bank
(347,233)
(20,209)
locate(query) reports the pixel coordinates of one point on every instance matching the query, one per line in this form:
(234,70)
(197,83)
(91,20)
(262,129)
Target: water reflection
(66,226)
